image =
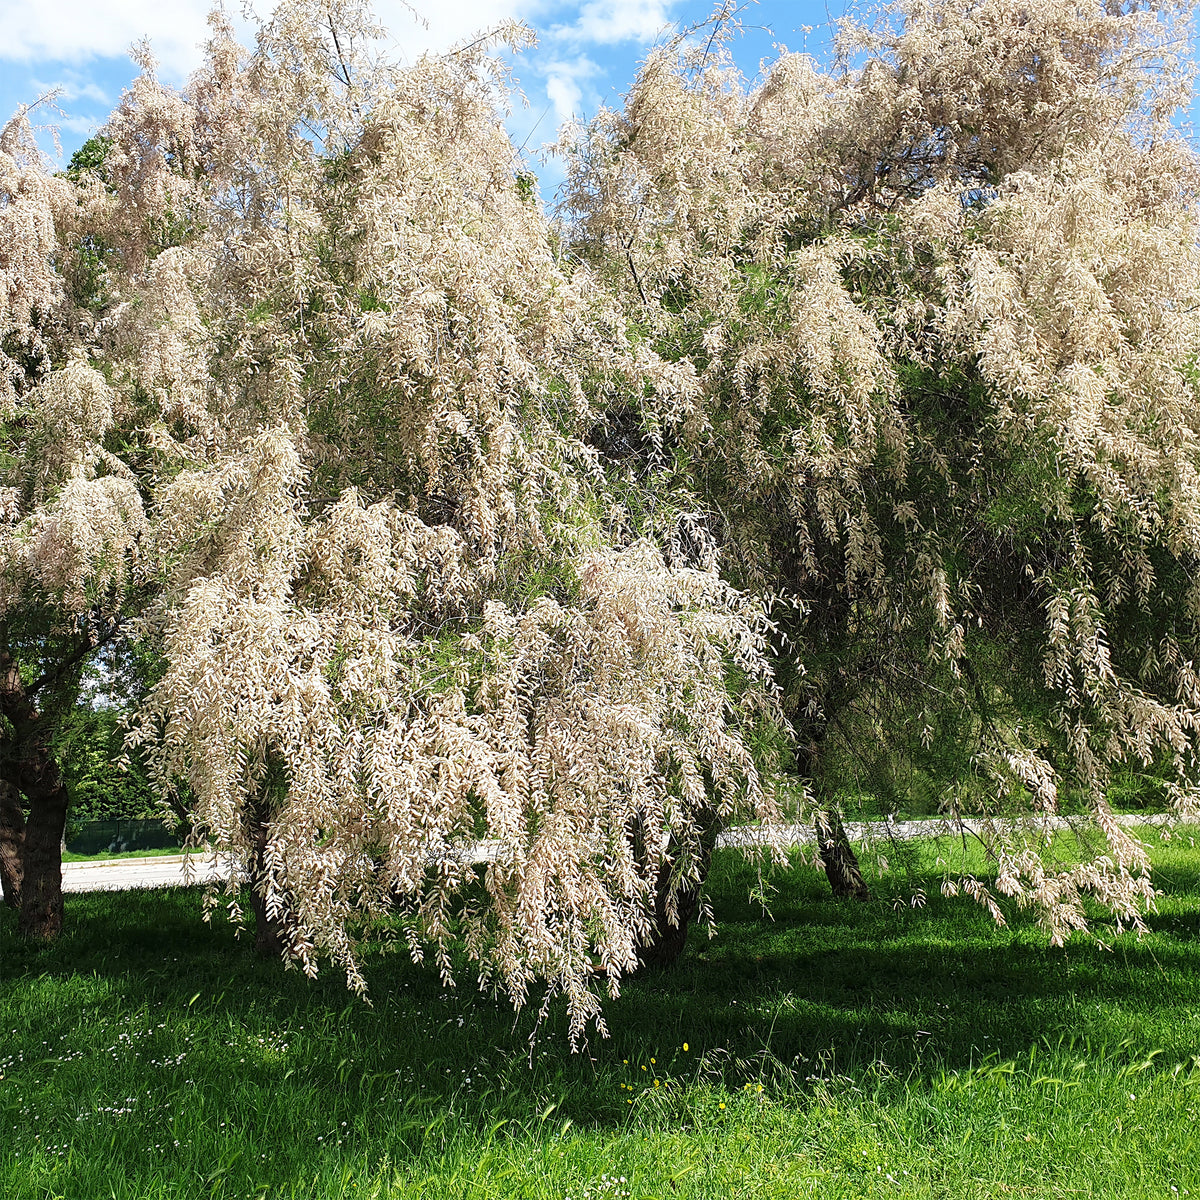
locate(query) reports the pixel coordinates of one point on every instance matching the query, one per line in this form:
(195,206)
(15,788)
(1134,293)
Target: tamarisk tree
(845,409)
(404,613)
(96,340)
(941,307)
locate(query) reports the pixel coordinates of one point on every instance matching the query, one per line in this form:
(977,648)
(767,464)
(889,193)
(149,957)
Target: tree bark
(270,933)
(838,858)
(28,765)
(12,843)
(836,854)
(668,937)
(41,883)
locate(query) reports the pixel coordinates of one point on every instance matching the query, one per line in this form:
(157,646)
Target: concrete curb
(861,831)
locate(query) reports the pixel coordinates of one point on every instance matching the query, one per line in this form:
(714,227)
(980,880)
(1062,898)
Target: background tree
(940,304)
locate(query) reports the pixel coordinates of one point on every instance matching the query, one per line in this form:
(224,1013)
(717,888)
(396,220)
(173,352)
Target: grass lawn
(105,855)
(836,1050)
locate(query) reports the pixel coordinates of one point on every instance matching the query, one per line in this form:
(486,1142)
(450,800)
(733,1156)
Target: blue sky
(587,52)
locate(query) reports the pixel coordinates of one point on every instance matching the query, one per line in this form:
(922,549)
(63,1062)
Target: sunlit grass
(833,1049)
(105,855)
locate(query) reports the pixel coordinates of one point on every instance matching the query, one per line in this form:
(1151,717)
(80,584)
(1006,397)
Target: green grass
(836,1050)
(105,855)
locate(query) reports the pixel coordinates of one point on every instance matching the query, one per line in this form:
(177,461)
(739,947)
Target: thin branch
(633,269)
(724,16)
(337,46)
(86,646)
(481,40)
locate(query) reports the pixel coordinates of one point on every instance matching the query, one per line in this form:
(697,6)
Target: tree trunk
(270,933)
(838,858)
(41,862)
(668,937)
(836,853)
(28,767)
(12,843)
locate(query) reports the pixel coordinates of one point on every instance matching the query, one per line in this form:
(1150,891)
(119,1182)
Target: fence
(90,837)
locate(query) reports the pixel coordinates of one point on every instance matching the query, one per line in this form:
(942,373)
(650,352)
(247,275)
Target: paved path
(903,831)
(118,874)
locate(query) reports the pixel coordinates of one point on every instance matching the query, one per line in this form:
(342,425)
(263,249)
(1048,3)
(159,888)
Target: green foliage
(104,854)
(527,186)
(84,265)
(103,781)
(89,160)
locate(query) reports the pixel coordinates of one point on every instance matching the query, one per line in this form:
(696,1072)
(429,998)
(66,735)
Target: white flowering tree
(101,375)
(402,613)
(941,304)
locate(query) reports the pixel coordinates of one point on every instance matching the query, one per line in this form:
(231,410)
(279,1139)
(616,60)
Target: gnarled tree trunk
(12,843)
(41,862)
(29,766)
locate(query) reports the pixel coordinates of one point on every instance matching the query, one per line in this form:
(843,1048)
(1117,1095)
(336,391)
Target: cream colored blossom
(988,212)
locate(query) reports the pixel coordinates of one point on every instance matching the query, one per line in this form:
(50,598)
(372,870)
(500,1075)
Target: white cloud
(71,87)
(75,31)
(564,95)
(610,21)
(78,30)
(83,126)
(449,21)
(79,45)
(562,86)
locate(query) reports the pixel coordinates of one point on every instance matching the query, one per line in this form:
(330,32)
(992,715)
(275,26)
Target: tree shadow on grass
(820,989)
